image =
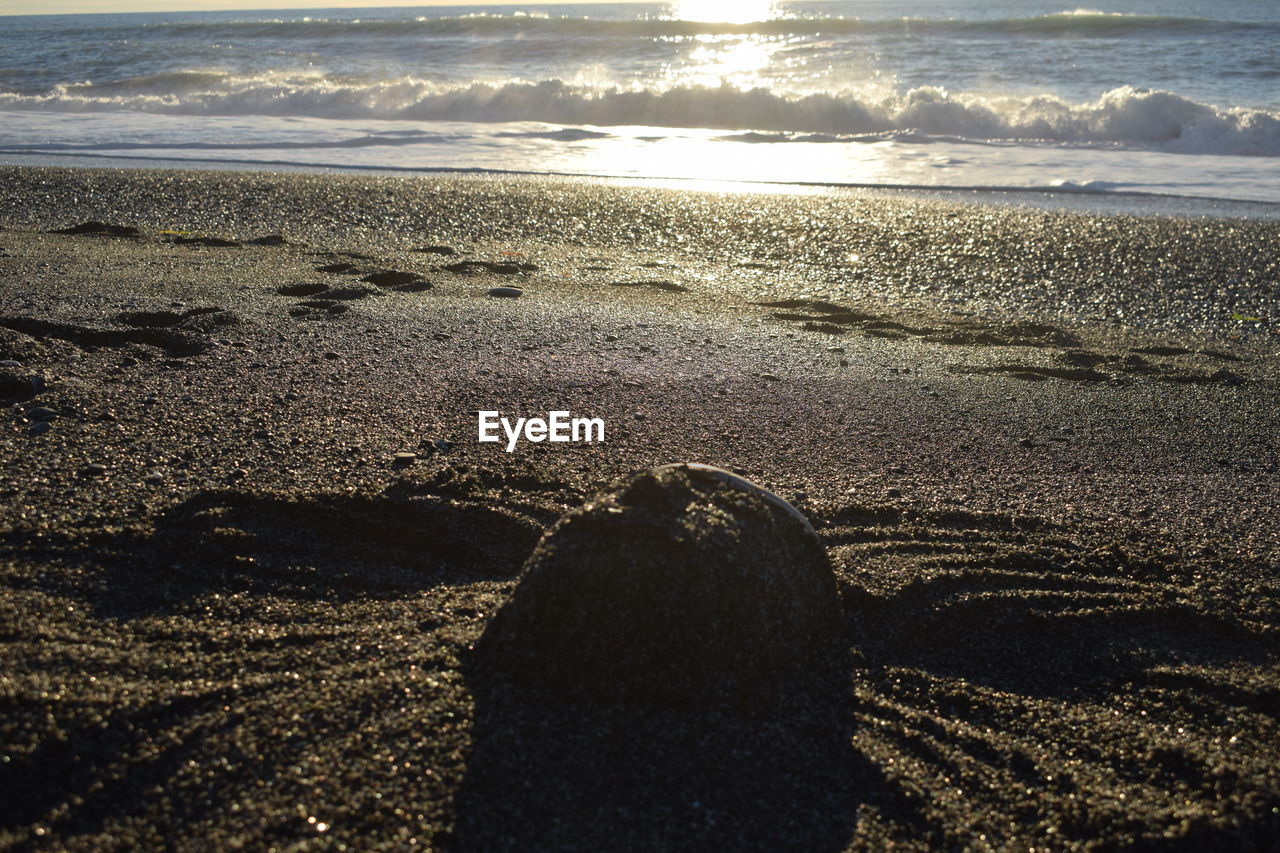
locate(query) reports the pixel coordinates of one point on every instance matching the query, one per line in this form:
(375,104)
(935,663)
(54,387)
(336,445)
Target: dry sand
(1040,448)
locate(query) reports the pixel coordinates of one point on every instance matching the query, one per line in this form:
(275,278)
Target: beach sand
(1040,449)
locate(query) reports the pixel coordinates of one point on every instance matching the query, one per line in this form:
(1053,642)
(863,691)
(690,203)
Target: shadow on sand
(565,772)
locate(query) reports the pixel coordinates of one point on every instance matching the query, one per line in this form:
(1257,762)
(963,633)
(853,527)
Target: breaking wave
(1124,117)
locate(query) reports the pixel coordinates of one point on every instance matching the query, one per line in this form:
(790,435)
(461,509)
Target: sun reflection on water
(727,59)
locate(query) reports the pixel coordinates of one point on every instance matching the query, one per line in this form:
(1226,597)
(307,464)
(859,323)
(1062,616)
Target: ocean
(1171,98)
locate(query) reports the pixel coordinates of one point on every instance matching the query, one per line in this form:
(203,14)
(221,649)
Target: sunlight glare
(739,63)
(723,11)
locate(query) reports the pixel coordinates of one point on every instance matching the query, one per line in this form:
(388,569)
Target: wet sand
(1040,449)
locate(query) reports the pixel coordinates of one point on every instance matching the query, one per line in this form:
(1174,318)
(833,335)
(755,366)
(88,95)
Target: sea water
(1178,98)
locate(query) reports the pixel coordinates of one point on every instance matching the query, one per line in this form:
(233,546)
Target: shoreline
(1066,199)
(1037,447)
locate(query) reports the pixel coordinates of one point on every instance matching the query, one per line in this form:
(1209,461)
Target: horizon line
(161,7)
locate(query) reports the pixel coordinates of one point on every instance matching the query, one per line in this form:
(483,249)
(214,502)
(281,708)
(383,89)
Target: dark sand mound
(682,584)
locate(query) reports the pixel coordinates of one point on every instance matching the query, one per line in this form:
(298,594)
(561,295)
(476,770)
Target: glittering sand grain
(1039,449)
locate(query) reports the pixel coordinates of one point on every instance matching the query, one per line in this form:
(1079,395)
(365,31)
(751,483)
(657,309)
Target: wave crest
(1125,116)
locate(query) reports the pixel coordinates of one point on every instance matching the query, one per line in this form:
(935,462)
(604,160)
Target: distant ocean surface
(1179,98)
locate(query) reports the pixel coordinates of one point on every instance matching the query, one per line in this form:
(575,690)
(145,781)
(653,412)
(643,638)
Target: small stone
(506,292)
(94,469)
(769,376)
(41,413)
(40,427)
(332,356)
(153,478)
(128,361)
(8,362)
(1026,442)
(610,338)
(405,457)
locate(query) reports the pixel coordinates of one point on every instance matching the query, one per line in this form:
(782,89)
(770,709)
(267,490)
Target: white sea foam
(1121,117)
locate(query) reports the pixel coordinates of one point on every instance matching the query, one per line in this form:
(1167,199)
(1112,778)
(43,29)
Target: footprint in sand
(340,267)
(176,341)
(93,227)
(498,268)
(306,288)
(1083,366)
(17,386)
(204,319)
(388,279)
(318,309)
(340,293)
(663,284)
(392,279)
(1079,365)
(329,300)
(214,242)
(397,280)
